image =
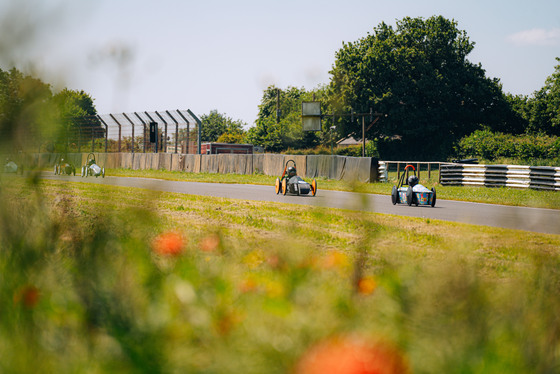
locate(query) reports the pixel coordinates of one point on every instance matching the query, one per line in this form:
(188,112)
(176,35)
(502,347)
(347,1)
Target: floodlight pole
(371,114)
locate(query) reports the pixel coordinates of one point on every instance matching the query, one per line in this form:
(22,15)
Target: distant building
(227,148)
(347,142)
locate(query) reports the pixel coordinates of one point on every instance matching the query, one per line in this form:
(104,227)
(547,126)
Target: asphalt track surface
(518,218)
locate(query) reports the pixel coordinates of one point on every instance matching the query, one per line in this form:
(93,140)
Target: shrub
(526,148)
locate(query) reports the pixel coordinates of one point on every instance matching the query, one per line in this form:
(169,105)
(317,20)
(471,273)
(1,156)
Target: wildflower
(335,260)
(366,285)
(210,243)
(168,244)
(352,355)
(248,285)
(28,296)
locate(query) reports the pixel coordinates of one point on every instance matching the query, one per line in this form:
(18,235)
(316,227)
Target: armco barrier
(536,177)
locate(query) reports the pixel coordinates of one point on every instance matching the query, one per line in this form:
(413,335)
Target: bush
(350,151)
(526,148)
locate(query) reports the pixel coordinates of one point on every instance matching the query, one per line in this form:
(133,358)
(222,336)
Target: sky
(142,55)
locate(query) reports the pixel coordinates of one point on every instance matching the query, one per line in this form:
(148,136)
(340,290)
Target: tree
(77,120)
(278,125)
(418,74)
(543,110)
(215,124)
(25,109)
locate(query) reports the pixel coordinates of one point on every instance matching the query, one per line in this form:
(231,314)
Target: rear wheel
(394,195)
(433,197)
(103,173)
(55,170)
(314,187)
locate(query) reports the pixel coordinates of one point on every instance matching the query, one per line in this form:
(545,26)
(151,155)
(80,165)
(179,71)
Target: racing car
(11,167)
(91,168)
(409,191)
(64,167)
(291,183)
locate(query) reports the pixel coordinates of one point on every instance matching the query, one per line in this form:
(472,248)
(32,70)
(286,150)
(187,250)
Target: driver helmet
(292,171)
(412,180)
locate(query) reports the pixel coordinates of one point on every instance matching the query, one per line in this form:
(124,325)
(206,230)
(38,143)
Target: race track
(519,218)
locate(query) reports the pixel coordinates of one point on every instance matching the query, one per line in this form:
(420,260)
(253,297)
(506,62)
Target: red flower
(210,243)
(28,296)
(168,244)
(352,355)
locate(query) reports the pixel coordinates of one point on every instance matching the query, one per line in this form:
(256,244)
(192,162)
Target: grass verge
(117,279)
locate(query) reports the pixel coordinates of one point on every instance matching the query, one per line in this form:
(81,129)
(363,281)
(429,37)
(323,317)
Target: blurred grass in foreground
(102,279)
(504,196)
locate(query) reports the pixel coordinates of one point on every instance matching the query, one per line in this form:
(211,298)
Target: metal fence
(177,131)
(421,167)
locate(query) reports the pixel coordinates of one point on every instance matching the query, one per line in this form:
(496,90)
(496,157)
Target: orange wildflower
(168,244)
(248,285)
(210,243)
(352,355)
(334,260)
(366,285)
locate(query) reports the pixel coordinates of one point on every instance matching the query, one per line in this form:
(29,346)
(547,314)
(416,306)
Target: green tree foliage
(216,124)
(76,115)
(25,110)
(419,75)
(31,116)
(278,125)
(524,148)
(543,110)
(71,103)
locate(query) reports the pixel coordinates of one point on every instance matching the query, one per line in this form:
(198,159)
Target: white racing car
(409,191)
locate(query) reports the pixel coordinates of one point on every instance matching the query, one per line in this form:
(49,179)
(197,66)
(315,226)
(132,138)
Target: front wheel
(83,171)
(409,195)
(103,173)
(433,197)
(277,186)
(284,186)
(55,170)
(394,195)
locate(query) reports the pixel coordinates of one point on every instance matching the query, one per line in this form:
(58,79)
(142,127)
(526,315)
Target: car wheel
(277,186)
(409,195)
(433,197)
(314,187)
(394,195)
(103,173)
(55,170)
(284,186)
(73,171)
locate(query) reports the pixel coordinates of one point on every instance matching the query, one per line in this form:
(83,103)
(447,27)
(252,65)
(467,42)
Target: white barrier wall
(362,169)
(536,177)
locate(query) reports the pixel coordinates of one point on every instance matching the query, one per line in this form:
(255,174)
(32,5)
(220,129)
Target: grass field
(100,279)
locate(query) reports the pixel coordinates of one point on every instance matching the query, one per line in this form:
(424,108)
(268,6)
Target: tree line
(32,115)
(416,74)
